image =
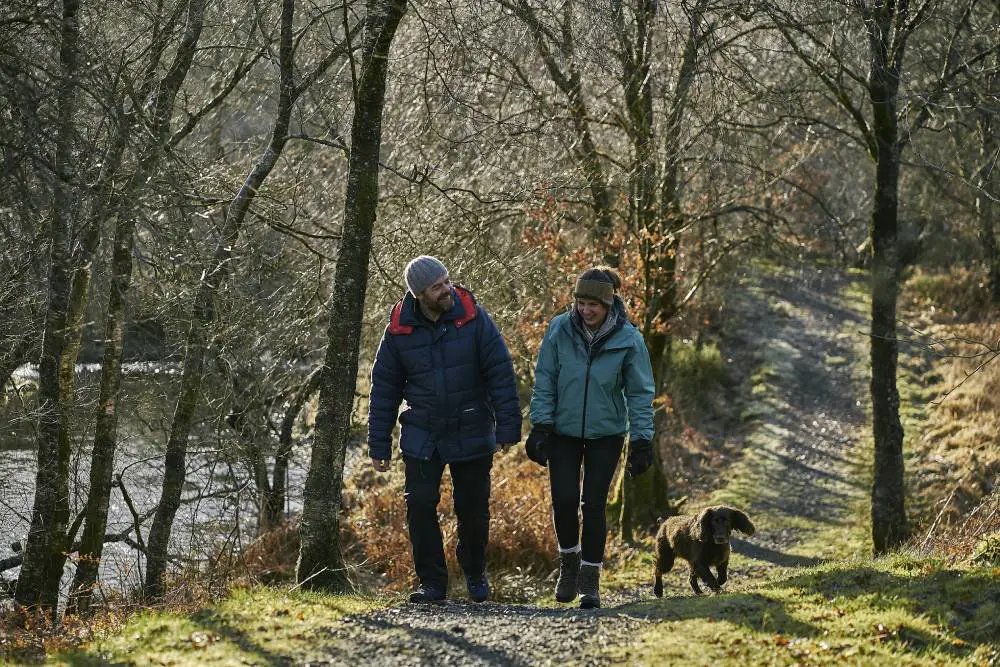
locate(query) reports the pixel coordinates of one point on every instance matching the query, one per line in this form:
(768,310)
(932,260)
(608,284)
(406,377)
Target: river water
(218,508)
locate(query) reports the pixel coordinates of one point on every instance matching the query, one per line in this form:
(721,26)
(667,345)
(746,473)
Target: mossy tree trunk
(655,209)
(46,545)
(321,561)
(889,526)
(106,428)
(203,312)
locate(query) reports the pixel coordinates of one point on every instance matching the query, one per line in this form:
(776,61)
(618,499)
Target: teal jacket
(593,391)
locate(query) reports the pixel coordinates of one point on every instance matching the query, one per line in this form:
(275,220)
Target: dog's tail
(664,562)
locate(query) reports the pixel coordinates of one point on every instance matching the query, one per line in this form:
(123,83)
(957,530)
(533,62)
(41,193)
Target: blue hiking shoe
(425,594)
(479,587)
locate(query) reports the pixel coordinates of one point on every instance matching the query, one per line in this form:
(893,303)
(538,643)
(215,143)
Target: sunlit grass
(896,610)
(257,626)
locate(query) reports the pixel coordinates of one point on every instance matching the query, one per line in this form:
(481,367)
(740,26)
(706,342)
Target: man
(444,356)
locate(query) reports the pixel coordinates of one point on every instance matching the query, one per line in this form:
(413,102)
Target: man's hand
(504,446)
(380,465)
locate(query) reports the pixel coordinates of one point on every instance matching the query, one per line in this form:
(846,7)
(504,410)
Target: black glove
(536,444)
(640,456)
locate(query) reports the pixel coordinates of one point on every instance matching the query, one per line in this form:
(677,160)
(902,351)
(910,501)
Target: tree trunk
(106,428)
(321,562)
(45,548)
(889,527)
(272,509)
(203,314)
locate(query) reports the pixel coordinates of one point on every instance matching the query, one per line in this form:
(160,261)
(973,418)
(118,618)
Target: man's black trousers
(471,493)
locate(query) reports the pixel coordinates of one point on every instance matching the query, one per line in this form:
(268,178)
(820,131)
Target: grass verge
(255,626)
(895,610)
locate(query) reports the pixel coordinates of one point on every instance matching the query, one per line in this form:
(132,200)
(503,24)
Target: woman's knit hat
(422,272)
(599,283)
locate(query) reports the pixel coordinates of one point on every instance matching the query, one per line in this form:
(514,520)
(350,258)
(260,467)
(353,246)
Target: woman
(593,384)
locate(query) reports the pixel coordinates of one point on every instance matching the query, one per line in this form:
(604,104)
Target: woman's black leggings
(599,459)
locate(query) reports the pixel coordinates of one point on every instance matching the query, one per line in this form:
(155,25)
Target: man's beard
(440,306)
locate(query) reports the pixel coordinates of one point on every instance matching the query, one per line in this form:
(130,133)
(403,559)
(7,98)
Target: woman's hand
(537,443)
(640,456)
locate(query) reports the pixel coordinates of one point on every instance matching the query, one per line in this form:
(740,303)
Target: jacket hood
(405,317)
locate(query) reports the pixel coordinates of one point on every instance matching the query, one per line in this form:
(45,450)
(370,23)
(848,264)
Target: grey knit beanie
(422,272)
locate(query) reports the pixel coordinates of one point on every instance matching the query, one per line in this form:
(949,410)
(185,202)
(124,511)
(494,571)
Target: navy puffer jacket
(456,377)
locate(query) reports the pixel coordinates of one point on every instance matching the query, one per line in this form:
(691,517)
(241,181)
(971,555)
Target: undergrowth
(954,385)
(521,546)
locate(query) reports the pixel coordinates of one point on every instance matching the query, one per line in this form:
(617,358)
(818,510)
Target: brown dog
(702,541)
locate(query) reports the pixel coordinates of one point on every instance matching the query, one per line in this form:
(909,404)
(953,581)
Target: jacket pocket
(415,442)
(415,417)
(475,420)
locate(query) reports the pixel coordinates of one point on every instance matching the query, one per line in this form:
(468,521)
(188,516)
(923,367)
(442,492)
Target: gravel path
(797,454)
(463,633)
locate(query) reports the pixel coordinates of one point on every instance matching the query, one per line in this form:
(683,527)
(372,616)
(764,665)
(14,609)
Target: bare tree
(156,135)
(47,543)
(203,313)
(290,89)
(321,561)
(826,42)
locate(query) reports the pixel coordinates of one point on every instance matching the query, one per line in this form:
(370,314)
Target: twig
(15,512)
(937,520)
(136,522)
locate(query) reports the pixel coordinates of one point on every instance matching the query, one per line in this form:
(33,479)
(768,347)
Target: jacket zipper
(586,388)
(586,384)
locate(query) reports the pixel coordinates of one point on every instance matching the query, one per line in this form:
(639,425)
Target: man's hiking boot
(425,594)
(569,570)
(479,587)
(590,586)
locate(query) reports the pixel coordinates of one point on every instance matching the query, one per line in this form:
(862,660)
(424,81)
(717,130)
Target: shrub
(957,295)
(987,551)
(522,541)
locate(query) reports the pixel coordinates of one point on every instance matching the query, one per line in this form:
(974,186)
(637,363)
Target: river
(218,512)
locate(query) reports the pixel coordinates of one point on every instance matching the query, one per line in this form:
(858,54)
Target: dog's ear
(740,522)
(701,531)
